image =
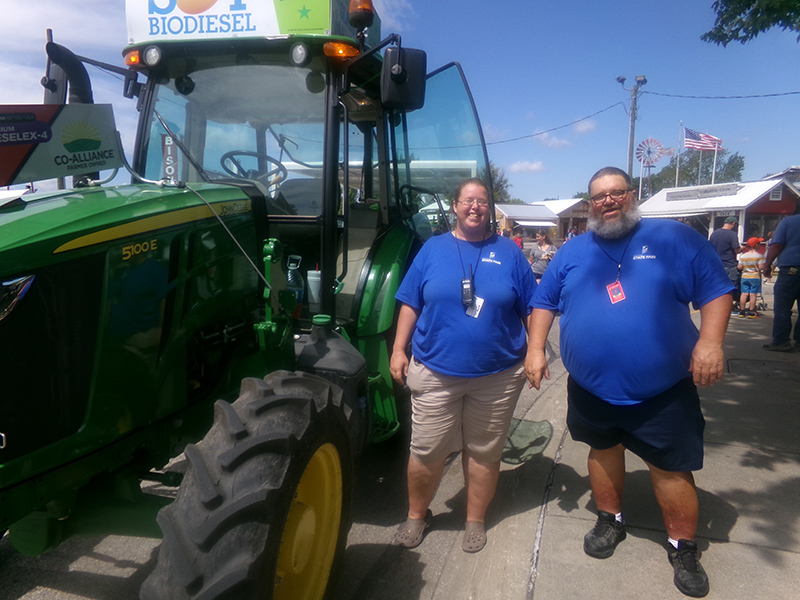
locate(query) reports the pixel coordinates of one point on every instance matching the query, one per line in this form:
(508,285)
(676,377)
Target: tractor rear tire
(263,510)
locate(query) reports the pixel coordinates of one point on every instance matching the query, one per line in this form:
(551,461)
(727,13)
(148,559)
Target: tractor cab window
(438,146)
(263,123)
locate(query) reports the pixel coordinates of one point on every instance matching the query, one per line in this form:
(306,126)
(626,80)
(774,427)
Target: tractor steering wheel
(279,171)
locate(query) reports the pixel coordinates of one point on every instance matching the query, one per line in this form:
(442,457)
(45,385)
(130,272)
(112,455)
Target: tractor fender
(388,261)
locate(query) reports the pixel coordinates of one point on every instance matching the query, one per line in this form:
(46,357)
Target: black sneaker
(690,578)
(784,347)
(601,541)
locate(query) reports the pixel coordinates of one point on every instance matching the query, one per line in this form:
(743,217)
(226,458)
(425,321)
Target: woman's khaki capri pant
(453,413)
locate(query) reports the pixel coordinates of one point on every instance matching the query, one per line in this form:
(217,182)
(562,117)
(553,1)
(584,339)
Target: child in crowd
(751,263)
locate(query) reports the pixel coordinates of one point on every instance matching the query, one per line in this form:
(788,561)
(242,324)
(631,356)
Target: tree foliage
(743,20)
(729,169)
(501,187)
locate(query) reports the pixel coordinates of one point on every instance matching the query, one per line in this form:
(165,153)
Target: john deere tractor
(233,305)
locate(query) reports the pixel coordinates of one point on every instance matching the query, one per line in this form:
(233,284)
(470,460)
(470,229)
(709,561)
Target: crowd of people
(475,314)
(750,265)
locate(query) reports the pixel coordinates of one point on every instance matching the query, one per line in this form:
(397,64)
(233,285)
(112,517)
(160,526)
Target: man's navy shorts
(665,430)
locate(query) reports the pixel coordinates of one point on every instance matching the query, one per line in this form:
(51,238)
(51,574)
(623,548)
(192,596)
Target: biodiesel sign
(160,20)
(46,141)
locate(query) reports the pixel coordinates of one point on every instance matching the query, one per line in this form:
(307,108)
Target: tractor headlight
(152,56)
(300,55)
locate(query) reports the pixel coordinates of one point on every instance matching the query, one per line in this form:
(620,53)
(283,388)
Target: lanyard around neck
(621,258)
(477,261)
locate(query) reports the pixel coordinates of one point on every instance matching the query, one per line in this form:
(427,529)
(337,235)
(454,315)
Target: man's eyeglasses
(615,195)
(470,201)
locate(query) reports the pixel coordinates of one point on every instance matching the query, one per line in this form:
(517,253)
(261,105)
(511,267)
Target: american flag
(700,141)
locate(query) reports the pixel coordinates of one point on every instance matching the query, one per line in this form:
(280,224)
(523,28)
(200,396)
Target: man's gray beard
(612,230)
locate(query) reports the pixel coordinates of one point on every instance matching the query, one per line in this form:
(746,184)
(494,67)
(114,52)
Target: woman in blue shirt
(464,305)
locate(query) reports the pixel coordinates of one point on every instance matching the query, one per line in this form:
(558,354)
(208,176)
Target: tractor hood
(50,227)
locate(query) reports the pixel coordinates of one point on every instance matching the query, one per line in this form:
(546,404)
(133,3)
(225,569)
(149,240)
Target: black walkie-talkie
(467,289)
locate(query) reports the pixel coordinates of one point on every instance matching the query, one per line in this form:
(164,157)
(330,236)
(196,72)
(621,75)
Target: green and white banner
(47,141)
(163,20)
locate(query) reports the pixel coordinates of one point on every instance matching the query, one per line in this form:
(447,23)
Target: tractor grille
(47,347)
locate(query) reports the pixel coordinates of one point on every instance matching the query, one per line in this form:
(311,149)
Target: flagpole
(678,165)
(714,170)
(641,168)
(699,166)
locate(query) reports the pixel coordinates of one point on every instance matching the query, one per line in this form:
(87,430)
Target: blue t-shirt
(726,241)
(788,234)
(446,338)
(635,348)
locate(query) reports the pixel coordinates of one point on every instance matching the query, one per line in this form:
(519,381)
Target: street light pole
(640,81)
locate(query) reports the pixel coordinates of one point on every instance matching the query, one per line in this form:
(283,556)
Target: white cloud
(552,141)
(86,27)
(394,14)
(525,166)
(492,134)
(91,28)
(585,126)
(21,84)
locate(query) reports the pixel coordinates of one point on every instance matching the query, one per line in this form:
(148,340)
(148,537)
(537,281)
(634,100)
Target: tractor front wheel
(263,511)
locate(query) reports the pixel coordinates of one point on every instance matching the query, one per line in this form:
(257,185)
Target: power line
(722,97)
(538,133)
(524,137)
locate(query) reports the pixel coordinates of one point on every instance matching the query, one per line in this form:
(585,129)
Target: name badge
(474,309)
(615,292)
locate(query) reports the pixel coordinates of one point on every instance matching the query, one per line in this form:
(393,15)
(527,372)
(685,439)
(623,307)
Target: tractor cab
(332,143)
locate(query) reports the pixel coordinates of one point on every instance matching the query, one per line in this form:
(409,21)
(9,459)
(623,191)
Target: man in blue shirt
(635,357)
(728,246)
(726,241)
(786,244)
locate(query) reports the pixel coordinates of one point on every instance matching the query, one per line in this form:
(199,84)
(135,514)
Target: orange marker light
(340,50)
(361,13)
(132,59)
(361,5)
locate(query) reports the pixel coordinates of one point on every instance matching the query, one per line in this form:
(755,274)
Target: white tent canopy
(703,199)
(536,223)
(532,213)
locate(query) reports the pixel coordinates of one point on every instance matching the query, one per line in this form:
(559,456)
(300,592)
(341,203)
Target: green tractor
(232,305)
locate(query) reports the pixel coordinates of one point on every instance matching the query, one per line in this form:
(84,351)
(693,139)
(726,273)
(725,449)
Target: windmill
(648,154)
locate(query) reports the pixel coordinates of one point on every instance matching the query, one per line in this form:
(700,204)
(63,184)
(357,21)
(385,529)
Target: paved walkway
(749,494)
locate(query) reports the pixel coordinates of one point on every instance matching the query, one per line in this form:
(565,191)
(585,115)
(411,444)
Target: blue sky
(533,66)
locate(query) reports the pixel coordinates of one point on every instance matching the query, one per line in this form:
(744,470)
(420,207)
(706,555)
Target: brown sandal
(474,537)
(410,534)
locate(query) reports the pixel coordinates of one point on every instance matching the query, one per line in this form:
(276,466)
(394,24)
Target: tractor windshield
(259,122)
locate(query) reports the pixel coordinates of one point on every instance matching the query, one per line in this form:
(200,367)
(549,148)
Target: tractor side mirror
(403,78)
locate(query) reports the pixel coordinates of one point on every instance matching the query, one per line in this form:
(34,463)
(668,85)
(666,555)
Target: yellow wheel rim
(309,539)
